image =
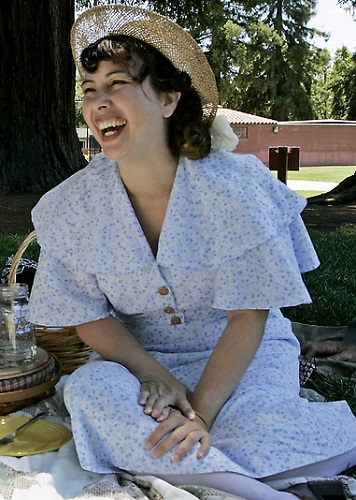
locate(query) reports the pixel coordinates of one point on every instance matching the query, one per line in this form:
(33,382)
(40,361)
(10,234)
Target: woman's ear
(170,103)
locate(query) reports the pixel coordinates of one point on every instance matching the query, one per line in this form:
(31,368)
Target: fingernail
(175,458)
(201,454)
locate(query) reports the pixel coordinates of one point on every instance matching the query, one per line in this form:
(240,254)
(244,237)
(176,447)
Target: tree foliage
(260,52)
(340,83)
(274,78)
(334,86)
(320,92)
(349,4)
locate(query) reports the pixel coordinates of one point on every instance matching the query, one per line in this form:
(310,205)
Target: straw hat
(156,30)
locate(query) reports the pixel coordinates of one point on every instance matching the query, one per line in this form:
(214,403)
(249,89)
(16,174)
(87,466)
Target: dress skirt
(265,427)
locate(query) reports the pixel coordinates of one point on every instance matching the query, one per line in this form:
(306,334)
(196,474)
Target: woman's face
(127,118)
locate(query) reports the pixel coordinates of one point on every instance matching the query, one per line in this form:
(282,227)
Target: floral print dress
(232,239)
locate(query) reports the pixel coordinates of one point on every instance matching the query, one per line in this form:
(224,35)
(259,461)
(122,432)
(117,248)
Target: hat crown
(156,30)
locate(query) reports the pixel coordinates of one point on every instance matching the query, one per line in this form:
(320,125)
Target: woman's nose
(102,98)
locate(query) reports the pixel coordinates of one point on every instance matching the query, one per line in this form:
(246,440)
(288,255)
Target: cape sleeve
(65,296)
(268,275)
(65,291)
(246,228)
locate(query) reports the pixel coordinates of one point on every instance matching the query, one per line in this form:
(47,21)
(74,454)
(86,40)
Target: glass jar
(17,334)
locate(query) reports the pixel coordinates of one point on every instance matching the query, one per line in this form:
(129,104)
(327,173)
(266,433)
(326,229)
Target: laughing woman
(172,257)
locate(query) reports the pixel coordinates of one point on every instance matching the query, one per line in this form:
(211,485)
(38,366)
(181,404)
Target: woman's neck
(149,186)
(149,178)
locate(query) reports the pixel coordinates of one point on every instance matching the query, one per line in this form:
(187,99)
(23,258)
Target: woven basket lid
(156,30)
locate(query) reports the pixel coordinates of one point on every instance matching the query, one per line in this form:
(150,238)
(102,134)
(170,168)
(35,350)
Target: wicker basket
(17,399)
(63,342)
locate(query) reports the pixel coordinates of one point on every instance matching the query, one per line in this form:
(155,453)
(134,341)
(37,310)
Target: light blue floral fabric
(232,239)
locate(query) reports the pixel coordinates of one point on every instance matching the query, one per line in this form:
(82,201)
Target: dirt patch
(329,217)
(15,214)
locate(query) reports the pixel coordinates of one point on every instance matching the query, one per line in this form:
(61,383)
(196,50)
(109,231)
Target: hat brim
(156,30)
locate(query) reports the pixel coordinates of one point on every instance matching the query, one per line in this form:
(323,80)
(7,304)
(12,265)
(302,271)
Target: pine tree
(321,95)
(340,83)
(278,79)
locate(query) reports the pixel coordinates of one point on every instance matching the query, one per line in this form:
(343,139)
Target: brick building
(321,142)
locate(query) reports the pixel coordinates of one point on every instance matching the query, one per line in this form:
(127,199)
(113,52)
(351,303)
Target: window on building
(241,132)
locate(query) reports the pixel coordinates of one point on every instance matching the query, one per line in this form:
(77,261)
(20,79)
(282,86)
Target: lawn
(322,174)
(9,244)
(332,285)
(334,174)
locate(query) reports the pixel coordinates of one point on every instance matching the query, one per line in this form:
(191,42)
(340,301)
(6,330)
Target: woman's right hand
(160,394)
(160,390)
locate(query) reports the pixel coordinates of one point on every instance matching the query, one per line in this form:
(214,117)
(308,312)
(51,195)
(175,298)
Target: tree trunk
(39,146)
(343,194)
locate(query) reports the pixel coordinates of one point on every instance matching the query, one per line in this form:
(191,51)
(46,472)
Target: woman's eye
(119,82)
(87,90)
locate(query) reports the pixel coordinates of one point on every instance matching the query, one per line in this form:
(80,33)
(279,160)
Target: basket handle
(16,258)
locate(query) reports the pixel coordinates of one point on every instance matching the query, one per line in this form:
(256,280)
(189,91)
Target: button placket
(174,317)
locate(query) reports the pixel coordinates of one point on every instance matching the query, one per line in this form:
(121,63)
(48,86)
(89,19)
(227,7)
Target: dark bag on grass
(25,272)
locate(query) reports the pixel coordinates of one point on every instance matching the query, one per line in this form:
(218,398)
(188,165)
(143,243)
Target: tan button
(163,290)
(176,321)
(168,310)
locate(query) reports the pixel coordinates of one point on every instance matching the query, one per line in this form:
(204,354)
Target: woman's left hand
(179,430)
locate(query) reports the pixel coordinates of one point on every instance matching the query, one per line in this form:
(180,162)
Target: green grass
(335,388)
(333,285)
(308,194)
(334,174)
(9,243)
(322,174)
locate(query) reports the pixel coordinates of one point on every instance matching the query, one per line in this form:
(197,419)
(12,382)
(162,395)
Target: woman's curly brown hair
(188,133)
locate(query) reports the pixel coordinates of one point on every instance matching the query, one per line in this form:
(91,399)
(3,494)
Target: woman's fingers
(157,400)
(164,414)
(187,445)
(185,407)
(175,419)
(179,431)
(156,406)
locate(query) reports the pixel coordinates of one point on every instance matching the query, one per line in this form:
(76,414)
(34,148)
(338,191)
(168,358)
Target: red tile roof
(240,118)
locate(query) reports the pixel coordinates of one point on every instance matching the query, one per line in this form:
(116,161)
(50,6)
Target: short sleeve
(64,296)
(268,275)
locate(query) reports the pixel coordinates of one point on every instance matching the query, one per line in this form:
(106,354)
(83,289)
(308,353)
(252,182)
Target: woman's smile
(110,127)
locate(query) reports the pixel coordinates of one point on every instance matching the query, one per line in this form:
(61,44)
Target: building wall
(320,144)
(259,139)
